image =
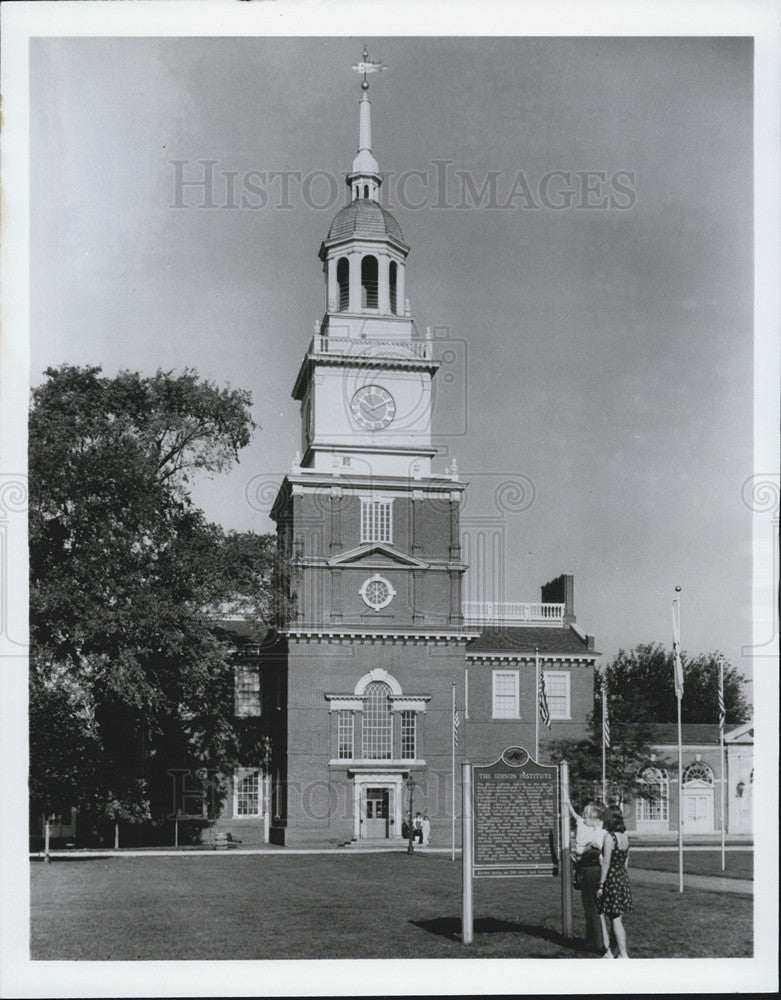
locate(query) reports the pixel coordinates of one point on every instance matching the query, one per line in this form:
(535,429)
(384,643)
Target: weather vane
(366,65)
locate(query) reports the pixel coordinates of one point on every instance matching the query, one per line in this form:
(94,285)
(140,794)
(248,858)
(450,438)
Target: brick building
(358,689)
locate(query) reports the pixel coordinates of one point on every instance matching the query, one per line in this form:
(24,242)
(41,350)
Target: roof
(692,733)
(241,630)
(364,217)
(520,639)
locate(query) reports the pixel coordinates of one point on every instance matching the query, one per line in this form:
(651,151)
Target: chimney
(561,591)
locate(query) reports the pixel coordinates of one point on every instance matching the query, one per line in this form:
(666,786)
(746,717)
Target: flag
(722,710)
(543,702)
(677,665)
(456,724)
(605,720)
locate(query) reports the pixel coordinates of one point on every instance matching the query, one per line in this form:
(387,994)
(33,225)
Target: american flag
(722,710)
(543,702)
(605,720)
(456,724)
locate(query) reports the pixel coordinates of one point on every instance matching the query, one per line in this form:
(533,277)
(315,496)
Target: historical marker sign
(515,819)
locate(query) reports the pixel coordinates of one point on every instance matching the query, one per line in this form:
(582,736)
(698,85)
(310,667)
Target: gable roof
(515,639)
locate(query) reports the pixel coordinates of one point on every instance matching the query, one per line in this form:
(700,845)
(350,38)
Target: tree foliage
(640,696)
(125,577)
(641,689)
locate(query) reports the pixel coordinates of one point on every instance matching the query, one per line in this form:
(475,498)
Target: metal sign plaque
(515,816)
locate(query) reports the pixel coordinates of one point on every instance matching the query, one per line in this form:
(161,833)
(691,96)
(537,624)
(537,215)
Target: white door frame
(394,783)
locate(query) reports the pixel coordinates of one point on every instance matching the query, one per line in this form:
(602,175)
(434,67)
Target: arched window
(369,282)
(377,722)
(698,771)
(653,805)
(392,277)
(343,281)
(366,190)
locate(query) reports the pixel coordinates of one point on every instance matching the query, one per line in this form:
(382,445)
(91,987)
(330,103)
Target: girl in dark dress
(614,896)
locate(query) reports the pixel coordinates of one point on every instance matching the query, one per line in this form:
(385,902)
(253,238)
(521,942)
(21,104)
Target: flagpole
(604,745)
(536,703)
(678,668)
(453,781)
(723,780)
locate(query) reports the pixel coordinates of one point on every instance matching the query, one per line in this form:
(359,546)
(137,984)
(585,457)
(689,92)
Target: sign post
(566,857)
(467,927)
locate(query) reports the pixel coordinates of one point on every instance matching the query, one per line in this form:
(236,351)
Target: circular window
(377,592)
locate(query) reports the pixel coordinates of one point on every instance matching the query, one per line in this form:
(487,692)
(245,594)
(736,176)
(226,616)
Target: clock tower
(375,641)
(365,382)
(362,687)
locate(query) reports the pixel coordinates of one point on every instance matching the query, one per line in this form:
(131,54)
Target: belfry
(358,686)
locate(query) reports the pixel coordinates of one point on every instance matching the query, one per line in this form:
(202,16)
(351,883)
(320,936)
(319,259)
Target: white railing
(516,612)
(365,347)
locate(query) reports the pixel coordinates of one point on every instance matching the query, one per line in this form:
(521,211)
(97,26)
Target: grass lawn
(740,864)
(329,906)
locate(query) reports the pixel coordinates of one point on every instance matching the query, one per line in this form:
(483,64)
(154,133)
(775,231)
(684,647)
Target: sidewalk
(709,883)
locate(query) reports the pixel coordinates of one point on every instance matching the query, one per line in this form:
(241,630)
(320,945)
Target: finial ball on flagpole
(677,590)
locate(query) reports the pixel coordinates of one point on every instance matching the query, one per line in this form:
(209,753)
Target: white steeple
(364,179)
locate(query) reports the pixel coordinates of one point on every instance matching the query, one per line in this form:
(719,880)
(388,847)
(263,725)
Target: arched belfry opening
(369,282)
(343,283)
(392,284)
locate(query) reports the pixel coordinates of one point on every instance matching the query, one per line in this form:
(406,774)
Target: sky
(597,382)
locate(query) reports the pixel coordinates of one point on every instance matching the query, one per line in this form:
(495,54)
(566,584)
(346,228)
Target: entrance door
(698,807)
(375,822)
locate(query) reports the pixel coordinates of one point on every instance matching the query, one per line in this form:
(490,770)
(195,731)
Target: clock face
(373,407)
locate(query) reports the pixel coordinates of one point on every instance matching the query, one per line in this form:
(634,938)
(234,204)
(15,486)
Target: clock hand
(376,406)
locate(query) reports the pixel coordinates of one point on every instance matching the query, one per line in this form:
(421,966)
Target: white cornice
(377,636)
(586,656)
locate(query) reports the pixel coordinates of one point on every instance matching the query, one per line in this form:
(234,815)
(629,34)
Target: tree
(125,576)
(641,695)
(640,688)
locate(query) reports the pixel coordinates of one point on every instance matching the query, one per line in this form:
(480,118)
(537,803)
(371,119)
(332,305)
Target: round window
(377,592)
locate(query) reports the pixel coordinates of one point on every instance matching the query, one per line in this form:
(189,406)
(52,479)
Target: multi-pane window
(408,735)
(654,805)
(248,793)
(557,693)
(505,694)
(247,691)
(377,722)
(376,520)
(345,735)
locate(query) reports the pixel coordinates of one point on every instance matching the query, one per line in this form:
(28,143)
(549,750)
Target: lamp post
(411,787)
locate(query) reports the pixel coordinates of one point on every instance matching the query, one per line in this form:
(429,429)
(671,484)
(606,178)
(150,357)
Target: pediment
(376,555)
(743,734)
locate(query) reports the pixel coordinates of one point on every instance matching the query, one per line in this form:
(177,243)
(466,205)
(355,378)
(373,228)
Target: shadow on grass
(450,927)
(66,857)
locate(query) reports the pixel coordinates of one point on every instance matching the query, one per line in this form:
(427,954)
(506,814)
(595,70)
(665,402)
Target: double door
(376,817)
